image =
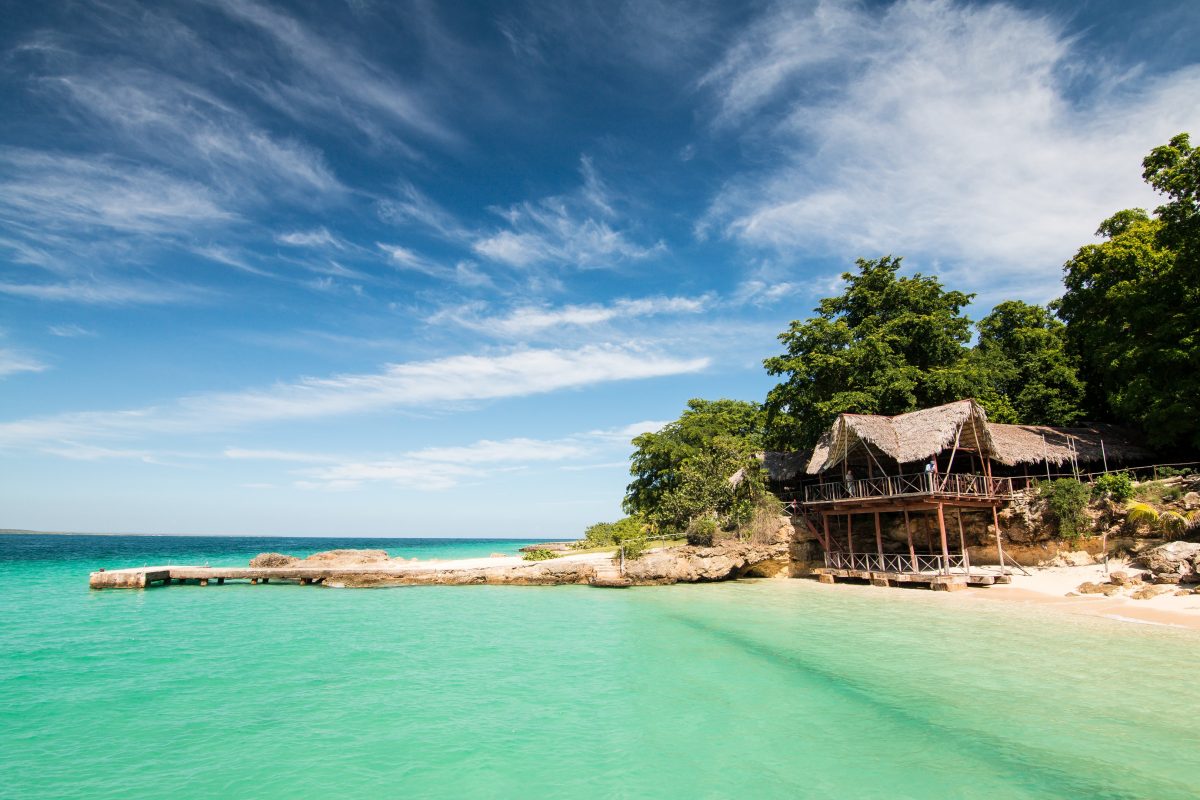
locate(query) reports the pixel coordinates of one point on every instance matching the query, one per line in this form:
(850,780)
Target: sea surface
(742,690)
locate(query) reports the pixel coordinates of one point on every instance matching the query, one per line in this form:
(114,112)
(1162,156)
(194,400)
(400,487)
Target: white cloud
(328,81)
(455,379)
(317,237)
(528,320)
(974,134)
(508,450)
(70,331)
(108,292)
(62,193)
(275,455)
(13,361)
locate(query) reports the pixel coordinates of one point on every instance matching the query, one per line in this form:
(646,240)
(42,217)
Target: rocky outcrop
(273,560)
(1174,562)
(347,557)
(726,561)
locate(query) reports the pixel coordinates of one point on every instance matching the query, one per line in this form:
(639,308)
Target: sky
(424,269)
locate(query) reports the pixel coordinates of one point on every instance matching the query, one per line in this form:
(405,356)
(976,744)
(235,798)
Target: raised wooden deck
(932,580)
(915,492)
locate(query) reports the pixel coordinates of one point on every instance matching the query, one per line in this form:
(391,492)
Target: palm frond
(1172,524)
(1141,514)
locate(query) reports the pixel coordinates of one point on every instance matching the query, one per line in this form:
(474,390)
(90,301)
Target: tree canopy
(886,345)
(1132,306)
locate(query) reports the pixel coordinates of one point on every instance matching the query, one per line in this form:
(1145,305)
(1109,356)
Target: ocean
(770,688)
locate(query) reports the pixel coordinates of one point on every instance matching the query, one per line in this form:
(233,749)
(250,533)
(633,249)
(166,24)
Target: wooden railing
(923,483)
(894,562)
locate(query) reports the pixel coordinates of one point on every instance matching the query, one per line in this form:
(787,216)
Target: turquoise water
(755,689)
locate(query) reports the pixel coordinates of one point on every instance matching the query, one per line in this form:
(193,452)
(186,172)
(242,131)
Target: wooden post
(912,553)
(266,580)
(850,536)
(999,543)
(828,539)
(941,516)
(879,540)
(962,541)
(220,581)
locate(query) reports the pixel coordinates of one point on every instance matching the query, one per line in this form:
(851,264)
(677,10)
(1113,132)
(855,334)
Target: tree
(658,458)
(886,345)
(1132,306)
(1023,368)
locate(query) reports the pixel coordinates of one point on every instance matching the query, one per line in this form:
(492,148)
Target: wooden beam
(850,534)
(941,517)
(999,542)
(912,553)
(878,539)
(962,542)
(828,540)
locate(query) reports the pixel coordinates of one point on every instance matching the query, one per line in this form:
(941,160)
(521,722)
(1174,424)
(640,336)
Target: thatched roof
(919,435)
(1024,444)
(781,466)
(905,438)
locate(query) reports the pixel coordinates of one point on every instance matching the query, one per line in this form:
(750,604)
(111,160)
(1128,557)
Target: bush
(1066,498)
(541,554)
(702,532)
(1117,486)
(634,547)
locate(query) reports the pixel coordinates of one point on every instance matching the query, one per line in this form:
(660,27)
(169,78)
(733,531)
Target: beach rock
(1119,578)
(1191,501)
(725,561)
(273,560)
(331,557)
(1182,592)
(1148,591)
(1073,558)
(1173,562)
(1088,587)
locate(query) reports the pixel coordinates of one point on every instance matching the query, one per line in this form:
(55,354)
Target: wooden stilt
(962,541)
(999,541)
(912,553)
(266,580)
(850,534)
(941,517)
(825,525)
(879,539)
(220,581)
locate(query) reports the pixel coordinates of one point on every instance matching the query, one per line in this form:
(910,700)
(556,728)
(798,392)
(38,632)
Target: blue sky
(415,269)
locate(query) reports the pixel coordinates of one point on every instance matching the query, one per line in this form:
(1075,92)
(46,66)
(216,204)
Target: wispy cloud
(578,230)
(316,237)
(111,291)
(70,331)
(13,360)
(457,379)
(527,320)
(974,134)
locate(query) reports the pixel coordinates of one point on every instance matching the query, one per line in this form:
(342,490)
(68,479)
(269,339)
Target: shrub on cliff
(1117,486)
(1066,498)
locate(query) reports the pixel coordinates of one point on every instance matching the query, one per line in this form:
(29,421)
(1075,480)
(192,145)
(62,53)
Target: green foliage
(1117,486)
(541,554)
(607,534)
(1024,372)
(1172,524)
(703,532)
(658,459)
(886,345)
(892,344)
(634,547)
(1066,498)
(1138,514)
(1132,306)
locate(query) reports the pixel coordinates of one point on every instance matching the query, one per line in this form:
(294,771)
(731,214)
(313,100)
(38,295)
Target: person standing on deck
(849,483)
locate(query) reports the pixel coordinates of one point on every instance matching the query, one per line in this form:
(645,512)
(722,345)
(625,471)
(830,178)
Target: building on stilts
(923,470)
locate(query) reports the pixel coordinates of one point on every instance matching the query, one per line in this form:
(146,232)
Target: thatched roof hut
(922,435)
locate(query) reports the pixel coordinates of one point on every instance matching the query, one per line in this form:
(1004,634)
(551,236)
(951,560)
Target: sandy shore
(1048,586)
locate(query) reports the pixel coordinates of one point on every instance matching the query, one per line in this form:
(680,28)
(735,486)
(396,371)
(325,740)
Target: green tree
(657,462)
(1023,369)
(1132,306)
(886,345)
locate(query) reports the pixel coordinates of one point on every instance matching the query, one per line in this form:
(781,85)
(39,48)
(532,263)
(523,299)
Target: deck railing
(923,483)
(894,562)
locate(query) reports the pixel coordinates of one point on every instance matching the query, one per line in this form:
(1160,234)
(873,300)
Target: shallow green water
(762,689)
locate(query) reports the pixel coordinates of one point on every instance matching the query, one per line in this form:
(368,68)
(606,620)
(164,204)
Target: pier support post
(823,578)
(850,536)
(962,541)
(941,515)
(220,581)
(912,553)
(266,580)
(879,539)
(999,542)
